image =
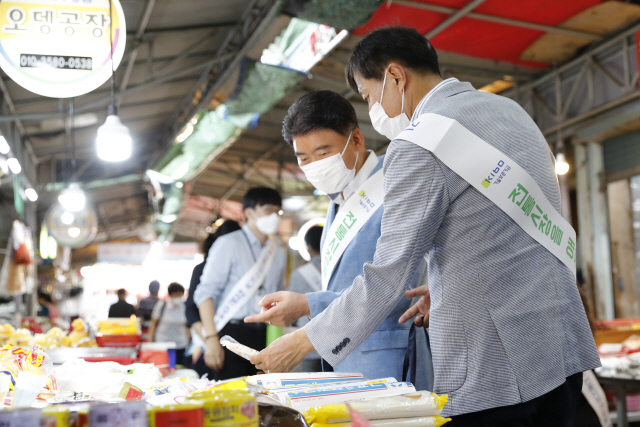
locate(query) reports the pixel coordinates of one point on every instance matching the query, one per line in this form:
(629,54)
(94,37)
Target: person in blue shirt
(231,261)
(322,127)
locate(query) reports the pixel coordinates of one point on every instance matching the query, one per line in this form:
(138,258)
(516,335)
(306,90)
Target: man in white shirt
(246,262)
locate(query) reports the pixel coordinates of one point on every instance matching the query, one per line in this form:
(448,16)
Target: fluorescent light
(31,194)
(562,166)
(169,218)
(113,140)
(44,242)
(72,198)
(157,176)
(194,120)
(4,145)
(74,232)
(294,243)
(67,218)
(14,165)
(186,133)
(180,172)
(179,184)
(301,246)
(52,247)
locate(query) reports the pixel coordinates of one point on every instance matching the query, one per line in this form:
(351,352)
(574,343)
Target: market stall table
(621,386)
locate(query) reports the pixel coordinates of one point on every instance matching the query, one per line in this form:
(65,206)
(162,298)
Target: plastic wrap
(419,404)
(237,348)
(304,399)
(302,378)
(279,416)
(435,421)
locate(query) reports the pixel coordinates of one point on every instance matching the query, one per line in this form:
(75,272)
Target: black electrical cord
(112,108)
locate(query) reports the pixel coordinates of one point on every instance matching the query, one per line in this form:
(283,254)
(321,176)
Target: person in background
(306,279)
(145,306)
(47,307)
(122,308)
(191,309)
(241,269)
(169,322)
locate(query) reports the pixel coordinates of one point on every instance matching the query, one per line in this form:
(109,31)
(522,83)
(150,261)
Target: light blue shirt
(230,257)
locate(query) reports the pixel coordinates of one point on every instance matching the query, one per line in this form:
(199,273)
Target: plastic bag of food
(237,348)
(233,384)
(435,421)
(419,404)
(302,378)
(279,416)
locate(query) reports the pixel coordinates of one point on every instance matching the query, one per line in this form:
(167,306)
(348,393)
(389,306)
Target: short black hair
(121,292)
(174,288)
(45,296)
(319,110)
(227,227)
(379,48)
(260,196)
(313,237)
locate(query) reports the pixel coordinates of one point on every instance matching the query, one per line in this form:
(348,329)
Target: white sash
(498,178)
(312,276)
(592,391)
(350,219)
(246,287)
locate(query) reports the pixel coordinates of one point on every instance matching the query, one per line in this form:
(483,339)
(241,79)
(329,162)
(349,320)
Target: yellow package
(233,385)
(228,408)
(185,415)
(418,404)
(434,421)
(55,416)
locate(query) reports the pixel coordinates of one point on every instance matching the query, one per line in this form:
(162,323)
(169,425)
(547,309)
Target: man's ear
(357,138)
(397,75)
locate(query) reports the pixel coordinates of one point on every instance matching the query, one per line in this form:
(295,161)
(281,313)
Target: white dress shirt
(362,175)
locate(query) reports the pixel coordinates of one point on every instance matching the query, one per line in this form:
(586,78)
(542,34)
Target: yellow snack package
(418,404)
(227,408)
(434,421)
(55,416)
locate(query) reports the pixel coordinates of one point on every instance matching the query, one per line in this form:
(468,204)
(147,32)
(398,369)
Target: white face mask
(176,300)
(268,224)
(390,127)
(330,175)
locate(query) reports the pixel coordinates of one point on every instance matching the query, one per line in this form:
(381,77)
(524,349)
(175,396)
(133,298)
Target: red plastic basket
(121,360)
(117,340)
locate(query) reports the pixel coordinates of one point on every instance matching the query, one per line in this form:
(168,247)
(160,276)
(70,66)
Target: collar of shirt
(254,243)
(430,94)
(362,175)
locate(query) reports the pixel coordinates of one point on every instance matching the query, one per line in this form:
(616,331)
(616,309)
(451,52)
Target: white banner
(246,287)
(498,178)
(592,391)
(350,219)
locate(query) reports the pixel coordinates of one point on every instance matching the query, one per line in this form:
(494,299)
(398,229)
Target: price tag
(22,418)
(129,414)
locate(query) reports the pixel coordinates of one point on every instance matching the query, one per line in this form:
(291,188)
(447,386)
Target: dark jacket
(121,309)
(192,312)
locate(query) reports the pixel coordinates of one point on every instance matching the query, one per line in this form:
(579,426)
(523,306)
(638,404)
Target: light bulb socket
(112,110)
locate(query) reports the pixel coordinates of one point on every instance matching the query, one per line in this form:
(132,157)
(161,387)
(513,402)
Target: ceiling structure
(183,57)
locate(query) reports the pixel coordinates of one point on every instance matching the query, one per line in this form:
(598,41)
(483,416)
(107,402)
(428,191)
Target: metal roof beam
(499,20)
(454,18)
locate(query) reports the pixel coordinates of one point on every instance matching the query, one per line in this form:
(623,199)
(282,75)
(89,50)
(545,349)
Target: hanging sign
(73,229)
(60,48)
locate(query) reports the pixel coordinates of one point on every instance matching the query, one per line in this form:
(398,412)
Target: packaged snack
(419,404)
(302,378)
(55,416)
(21,417)
(239,349)
(233,385)
(128,414)
(186,415)
(435,421)
(27,387)
(237,408)
(304,399)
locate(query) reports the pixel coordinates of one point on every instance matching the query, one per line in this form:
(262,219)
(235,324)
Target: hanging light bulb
(562,166)
(72,198)
(14,165)
(32,195)
(114,140)
(4,145)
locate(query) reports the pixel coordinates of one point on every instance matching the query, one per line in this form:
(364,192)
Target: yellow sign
(60,48)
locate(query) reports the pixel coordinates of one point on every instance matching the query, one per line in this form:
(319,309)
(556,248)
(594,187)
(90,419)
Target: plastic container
(55,416)
(117,340)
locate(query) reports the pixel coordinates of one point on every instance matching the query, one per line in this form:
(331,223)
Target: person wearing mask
(469,182)
(146,305)
(169,322)
(306,279)
(47,307)
(122,308)
(191,309)
(322,128)
(242,267)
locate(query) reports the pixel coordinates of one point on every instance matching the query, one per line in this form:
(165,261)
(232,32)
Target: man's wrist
(304,343)
(208,337)
(307,310)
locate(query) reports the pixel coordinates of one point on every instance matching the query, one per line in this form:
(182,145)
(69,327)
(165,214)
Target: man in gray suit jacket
(509,336)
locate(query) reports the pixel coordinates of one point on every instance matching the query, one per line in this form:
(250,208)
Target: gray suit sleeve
(415,203)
